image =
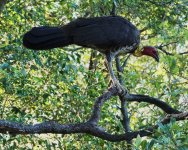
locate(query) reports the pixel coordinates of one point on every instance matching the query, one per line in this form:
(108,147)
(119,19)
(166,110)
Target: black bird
(110,35)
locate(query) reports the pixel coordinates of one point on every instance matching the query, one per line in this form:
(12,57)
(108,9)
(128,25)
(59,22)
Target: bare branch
(125,62)
(144,29)
(124,110)
(88,128)
(113,12)
(161,48)
(119,69)
(164,51)
(143,98)
(98,104)
(167,53)
(149,36)
(164,45)
(126,120)
(91,126)
(183,53)
(93,60)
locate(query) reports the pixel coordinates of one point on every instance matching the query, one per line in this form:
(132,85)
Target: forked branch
(91,127)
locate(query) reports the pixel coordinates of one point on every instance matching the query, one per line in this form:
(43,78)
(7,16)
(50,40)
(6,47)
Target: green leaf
(150,144)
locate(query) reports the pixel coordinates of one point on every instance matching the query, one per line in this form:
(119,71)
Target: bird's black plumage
(101,33)
(111,35)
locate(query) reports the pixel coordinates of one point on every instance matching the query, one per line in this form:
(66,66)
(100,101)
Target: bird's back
(104,33)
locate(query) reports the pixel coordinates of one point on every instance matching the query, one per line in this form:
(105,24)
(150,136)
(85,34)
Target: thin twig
(125,62)
(164,45)
(114,5)
(161,47)
(144,29)
(183,53)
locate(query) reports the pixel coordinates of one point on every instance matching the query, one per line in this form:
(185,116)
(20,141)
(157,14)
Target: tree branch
(144,29)
(93,60)
(98,104)
(183,53)
(88,128)
(113,12)
(144,98)
(161,48)
(124,110)
(91,126)
(125,62)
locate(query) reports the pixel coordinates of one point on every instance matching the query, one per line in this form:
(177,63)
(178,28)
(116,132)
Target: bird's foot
(121,89)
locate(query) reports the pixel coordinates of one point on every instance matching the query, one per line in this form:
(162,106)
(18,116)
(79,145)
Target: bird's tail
(43,38)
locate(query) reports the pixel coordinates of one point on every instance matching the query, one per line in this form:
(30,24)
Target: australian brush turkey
(110,35)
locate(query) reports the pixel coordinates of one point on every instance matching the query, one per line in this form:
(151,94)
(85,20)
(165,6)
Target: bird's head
(147,50)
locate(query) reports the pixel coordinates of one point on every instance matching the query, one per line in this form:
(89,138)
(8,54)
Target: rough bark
(91,126)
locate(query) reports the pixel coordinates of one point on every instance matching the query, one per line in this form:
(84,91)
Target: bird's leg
(115,82)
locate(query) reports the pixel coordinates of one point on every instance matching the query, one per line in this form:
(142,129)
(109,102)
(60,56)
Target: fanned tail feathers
(43,38)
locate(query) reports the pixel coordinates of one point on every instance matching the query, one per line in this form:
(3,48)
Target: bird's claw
(120,88)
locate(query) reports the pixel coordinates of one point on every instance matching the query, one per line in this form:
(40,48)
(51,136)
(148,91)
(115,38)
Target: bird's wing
(102,33)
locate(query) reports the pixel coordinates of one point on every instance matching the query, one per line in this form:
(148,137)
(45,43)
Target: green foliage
(57,85)
(171,136)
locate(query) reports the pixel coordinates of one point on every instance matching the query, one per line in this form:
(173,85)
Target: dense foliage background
(57,84)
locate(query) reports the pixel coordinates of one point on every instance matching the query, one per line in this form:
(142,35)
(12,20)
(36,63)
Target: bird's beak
(156,57)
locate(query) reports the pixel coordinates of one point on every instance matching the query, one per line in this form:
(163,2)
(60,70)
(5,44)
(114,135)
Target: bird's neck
(138,52)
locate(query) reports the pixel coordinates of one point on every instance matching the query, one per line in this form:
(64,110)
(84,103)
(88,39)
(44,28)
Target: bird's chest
(127,49)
